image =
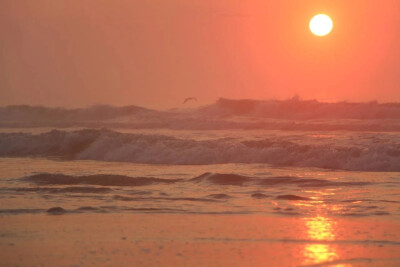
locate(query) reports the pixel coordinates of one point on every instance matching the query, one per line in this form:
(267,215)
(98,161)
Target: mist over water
(292,114)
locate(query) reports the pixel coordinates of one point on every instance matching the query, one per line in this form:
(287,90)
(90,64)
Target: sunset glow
(199,133)
(156,54)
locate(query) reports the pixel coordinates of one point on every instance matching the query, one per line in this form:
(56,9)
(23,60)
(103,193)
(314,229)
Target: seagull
(188,99)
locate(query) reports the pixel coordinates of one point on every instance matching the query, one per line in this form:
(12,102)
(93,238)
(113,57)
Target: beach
(196,240)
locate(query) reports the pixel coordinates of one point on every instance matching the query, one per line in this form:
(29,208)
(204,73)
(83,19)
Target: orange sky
(155,53)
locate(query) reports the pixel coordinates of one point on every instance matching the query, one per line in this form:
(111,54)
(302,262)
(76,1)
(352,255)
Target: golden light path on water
(320,228)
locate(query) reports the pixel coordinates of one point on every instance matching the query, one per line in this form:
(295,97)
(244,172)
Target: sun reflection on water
(318,253)
(319,228)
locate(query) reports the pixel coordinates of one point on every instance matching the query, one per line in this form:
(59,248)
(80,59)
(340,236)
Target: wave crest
(372,154)
(98,179)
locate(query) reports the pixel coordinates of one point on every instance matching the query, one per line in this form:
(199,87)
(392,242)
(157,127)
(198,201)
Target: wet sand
(197,240)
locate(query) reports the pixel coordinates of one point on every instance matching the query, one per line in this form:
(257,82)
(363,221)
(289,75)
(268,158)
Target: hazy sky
(155,53)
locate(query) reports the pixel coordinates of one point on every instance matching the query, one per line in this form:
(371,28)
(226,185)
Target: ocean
(319,166)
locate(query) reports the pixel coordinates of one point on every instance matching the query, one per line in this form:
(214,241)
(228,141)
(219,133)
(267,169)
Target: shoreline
(196,239)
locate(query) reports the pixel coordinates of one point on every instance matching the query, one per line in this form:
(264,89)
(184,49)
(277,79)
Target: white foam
(372,152)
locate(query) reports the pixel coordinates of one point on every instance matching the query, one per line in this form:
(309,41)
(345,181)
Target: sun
(321,25)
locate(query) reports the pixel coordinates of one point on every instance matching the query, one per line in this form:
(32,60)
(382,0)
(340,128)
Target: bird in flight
(189,99)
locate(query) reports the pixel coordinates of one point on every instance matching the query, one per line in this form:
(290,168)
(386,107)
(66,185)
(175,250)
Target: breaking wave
(366,153)
(105,145)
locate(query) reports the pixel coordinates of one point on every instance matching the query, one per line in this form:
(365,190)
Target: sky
(155,53)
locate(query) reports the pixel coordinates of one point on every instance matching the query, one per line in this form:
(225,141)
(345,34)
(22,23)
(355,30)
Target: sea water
(274,172)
